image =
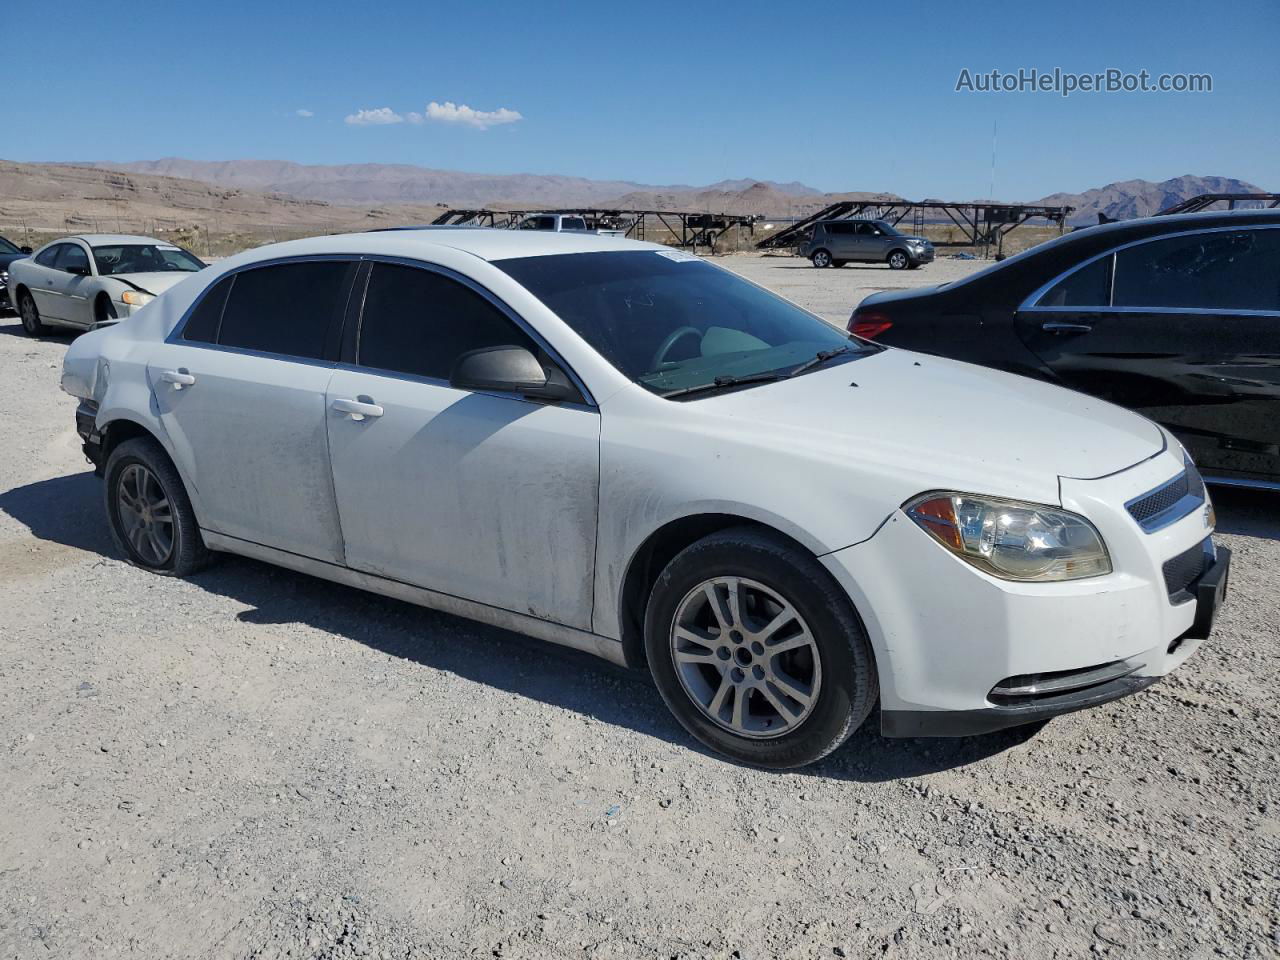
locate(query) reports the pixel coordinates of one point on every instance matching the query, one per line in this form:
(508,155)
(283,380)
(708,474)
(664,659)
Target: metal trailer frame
(983,224)
(687,228)
(1204,201)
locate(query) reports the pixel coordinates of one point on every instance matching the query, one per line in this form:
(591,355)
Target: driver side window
(419,322)
(73,259)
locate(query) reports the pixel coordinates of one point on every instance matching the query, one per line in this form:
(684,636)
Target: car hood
(918,422)
(8,258)
(156,283)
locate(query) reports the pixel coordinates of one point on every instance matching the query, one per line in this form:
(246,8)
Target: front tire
(757,651)
(30,315)
(104,310)
(821,259)
(149,511)
(898,260)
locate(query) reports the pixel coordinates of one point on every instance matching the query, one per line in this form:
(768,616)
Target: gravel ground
(256,764)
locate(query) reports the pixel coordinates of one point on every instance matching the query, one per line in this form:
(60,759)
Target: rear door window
(293,309)
(420,322)
(1214,270)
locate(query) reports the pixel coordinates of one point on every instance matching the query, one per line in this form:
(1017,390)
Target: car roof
(109,239)
(485,243)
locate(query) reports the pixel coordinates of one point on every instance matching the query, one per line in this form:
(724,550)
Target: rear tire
(791,641)
(821,259)
(149,511)
(30,316)
(898,260)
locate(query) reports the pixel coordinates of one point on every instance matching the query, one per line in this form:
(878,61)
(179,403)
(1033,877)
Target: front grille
(1182,571)
(1170,502)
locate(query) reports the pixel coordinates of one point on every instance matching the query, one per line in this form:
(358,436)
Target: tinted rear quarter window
(289,308)
(202,325)
(46,258)
(1216,270)
(420,322)
(1090,286)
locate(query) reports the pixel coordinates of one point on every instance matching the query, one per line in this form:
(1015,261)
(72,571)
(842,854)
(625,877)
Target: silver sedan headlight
(1010,539)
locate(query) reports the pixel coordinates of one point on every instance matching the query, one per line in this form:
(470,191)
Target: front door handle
(179,378)
(1056,326)
(358,408)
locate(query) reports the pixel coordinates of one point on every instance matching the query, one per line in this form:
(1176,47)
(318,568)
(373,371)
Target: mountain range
(360,196)
(1141,198)
(362,184)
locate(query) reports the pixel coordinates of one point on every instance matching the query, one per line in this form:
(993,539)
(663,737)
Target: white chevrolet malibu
(622,448)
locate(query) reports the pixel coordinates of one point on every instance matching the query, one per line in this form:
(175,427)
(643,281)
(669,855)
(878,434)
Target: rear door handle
(1055,326)
(359,408)
(179,378)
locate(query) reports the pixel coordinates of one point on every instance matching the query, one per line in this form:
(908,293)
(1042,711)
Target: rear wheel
(149,512)
(821,258)
(898,260)
(30,316)
(757,651)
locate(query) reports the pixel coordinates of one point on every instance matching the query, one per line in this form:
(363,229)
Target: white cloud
(414,117)
(304,112)
(374,118)
(449,112)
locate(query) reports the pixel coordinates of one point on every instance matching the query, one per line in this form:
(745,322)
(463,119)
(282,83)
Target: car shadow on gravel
(1247,513)
(67,510)
(52,335)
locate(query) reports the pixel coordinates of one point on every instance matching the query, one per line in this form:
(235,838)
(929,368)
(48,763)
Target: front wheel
(821,259)
(30,316)
(757,651)
(899,260)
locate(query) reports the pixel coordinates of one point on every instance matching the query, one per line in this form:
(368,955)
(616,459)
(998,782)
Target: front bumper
(960,652)
(921,255)
(87,428)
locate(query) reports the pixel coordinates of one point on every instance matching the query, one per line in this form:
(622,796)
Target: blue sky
(841,96)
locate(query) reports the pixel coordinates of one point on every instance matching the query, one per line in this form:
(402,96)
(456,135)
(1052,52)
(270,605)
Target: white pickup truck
(565,223)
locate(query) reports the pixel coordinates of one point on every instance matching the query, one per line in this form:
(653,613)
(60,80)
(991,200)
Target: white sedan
(623,448)
(94,280)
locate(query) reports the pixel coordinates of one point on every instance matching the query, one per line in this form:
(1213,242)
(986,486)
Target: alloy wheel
(28,310)
(745,657)
(146,516)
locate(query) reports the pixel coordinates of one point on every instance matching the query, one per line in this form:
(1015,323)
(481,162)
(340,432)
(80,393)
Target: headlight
(135,298)
(1012,540)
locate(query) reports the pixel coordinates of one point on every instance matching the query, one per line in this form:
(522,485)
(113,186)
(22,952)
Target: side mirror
(25,249)
(508,369)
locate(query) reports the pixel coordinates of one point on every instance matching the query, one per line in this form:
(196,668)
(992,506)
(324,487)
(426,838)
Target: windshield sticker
(679,256)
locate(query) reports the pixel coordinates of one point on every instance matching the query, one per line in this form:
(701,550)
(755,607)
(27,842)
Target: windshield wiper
(726,382)
(818,359)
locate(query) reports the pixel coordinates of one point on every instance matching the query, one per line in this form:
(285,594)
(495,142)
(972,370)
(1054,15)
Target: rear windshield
(671,321)
(144,258)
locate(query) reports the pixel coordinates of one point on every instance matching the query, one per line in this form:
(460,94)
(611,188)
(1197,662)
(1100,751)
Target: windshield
(144,258)
(673,322)
(7,247)
(891,231)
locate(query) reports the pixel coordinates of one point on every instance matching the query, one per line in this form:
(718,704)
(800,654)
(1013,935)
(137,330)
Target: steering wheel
(679,333)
